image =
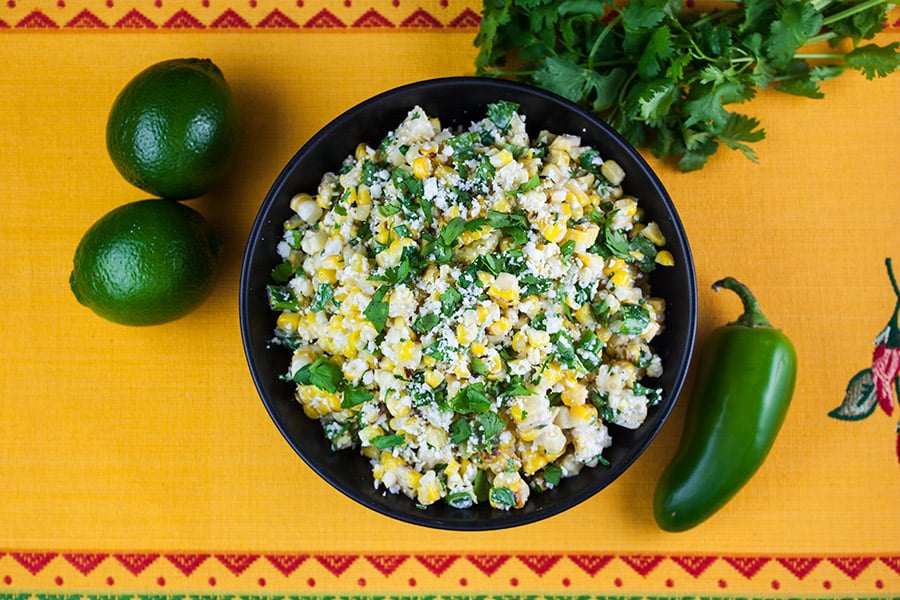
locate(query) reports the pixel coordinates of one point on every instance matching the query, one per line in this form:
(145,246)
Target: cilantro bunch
(667,78)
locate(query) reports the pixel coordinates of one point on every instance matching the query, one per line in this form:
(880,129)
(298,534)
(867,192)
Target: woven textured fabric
(140,462)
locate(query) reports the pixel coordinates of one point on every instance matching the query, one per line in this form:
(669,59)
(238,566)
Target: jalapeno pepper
(740,398)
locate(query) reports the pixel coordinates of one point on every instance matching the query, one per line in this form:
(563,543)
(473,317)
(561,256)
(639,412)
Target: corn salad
(469,309)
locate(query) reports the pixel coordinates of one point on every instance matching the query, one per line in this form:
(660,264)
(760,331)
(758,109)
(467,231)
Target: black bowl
(457,101)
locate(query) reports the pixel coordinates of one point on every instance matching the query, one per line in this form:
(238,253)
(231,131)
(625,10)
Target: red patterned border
(798,567)
(251,17)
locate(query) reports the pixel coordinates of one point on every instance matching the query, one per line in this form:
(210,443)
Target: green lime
(146,262)
(173,130)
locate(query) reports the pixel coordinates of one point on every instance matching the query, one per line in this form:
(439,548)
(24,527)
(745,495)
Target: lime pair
(173,132)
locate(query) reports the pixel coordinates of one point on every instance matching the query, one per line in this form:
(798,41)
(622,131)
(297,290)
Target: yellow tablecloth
(139,462)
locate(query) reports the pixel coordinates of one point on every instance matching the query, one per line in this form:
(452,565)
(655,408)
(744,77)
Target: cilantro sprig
(667,78)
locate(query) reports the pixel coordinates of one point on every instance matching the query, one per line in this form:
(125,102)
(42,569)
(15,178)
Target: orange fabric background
(121,439)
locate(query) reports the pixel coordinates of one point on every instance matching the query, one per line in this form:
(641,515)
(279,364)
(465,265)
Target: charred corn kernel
(554,232)
(665,258)
(574,394)
(434,378)
(316,402)
(537,337)
(288,321)
(421,167)
(499,327)
(504,157)
(520,342)
(583,414)
(505,289)
(612,171)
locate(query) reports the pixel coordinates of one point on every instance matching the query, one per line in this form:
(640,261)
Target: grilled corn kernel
(421,167)
(665,258)
(554,232)
(499,327)
(574,394)
(652,232)
(326,276)
(613,172)
(504,157)
(505,289)
(537,337)
(288,321)
(583,414)
(434,378)
(465,334)
(363,196)
(520,342)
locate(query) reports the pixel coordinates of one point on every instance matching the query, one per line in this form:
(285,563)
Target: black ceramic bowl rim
(457,101)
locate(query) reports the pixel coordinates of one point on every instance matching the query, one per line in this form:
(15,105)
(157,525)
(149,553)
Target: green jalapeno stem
(752,315)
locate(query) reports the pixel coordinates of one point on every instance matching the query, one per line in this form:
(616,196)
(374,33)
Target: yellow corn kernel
(529,434)
(505,289)
(665,258)
(612,171)
(428,361)
(591,261)
(383,233)
(452,468)
(503,157)
(421,167)
(363,196)
(478,350)
(575,195)
(652,232)
(500,326)
(411,478)
(443,172)
(502,204)
(429,490)
(533,460)
(584,315)
(621,278)
(520,342)
(628,206)
(390,256)
(370,452)
(554,232)
(323,201)
(583,414)
(583,236)
(614,264)
(461,370)
(433,378)
(518,413)
(326,276)
(574,394)
(465,334)
(552,374)
(657,304)
(485,278)
(405,351)
(362,151)
(467,237)
(317,402)
(537,338)
(482,313)
(396,406)
(288,321)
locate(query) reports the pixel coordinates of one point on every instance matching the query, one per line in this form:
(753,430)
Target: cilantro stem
(603,34)
(849,12)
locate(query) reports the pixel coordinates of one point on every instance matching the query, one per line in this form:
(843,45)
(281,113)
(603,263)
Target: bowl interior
(456,102)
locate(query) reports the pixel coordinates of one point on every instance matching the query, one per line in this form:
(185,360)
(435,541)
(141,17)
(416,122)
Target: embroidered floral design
(872,387)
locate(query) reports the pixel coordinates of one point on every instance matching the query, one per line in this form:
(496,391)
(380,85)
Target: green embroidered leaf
(859,400)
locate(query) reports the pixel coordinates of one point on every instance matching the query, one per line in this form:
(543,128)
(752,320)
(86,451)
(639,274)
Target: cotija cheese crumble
(469,309)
